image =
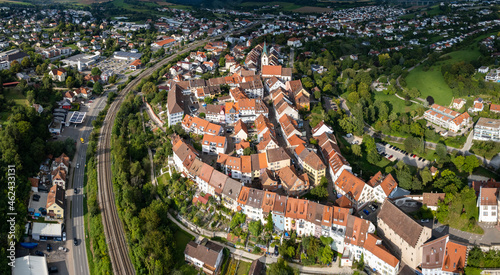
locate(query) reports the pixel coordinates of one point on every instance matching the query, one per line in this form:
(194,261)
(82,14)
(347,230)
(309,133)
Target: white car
(78,165)
(63,237)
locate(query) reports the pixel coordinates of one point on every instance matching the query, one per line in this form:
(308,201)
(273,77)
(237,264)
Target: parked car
(366,212)
(64,236)
(424,220)
(372,208)
(334,256)
(39,253)
(276,253)
(49,247)
(53,269)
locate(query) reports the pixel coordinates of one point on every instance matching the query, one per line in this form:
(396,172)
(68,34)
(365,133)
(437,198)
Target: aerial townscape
(249,137)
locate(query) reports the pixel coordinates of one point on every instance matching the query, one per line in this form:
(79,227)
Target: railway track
(113,228)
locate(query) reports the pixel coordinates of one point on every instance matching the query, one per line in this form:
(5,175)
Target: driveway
(491,234)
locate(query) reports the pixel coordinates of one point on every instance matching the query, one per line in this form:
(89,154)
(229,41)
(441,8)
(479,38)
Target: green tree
(442,153)
(222,62)
(70,82)
(255,227)
(317,95)
(98,89)
(25,62)
(15,67)
(373,156)
(149,88)
(30,96)
(327,255)
(426,176)
(356,150)
(248,151)
(269,222)
(459,162)
(281,267)
(448,182)
(471,162)
(95,71)
(369,143)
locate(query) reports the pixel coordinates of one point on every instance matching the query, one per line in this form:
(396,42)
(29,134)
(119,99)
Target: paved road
(75,222)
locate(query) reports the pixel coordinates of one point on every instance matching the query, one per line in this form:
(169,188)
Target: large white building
(487,129)
(30,265)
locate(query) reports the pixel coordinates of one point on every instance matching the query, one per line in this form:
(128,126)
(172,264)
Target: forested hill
(235,3)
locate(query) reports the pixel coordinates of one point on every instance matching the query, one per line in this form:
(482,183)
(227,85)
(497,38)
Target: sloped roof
(404,226)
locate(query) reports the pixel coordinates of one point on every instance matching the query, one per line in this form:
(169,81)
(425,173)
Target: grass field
(431,82)
(397,105)
(15,2)
(243,268)
(163,178)
(18,97)
(181,239)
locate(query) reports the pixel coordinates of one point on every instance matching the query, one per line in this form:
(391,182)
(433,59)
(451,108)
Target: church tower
(264,59)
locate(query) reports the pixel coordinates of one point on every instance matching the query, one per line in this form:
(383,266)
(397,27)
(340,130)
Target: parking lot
(55,257)
(369,212)
(115,65)
(393,153)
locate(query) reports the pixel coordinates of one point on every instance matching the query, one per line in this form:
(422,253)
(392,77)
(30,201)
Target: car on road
(78,165)
(53,269)
(76,190)
(39,253)
(424,220)
(49,247)
(75,241)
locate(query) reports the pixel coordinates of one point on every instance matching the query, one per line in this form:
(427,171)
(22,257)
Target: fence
(201,231)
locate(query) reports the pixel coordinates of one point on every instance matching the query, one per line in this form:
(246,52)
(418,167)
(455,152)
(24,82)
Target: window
(485,213)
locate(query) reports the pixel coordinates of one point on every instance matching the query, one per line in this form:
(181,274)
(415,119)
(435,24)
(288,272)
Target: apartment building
(488,204)
(487,129)
(214,145)
(443,256)
(200,126)
(402,233)
(175,105)
(311,163)
(291,182)
(447,118)
(277,158)
(378,258)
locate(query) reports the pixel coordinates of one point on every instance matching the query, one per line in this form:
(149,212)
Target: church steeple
(265,48)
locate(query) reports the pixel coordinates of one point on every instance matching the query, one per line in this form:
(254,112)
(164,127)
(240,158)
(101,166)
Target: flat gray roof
(77,117)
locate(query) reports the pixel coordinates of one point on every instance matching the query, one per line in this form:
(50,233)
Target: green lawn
(181,238)
(432,82)
(243,268)
(397,105)
(14,94)
(163,178)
